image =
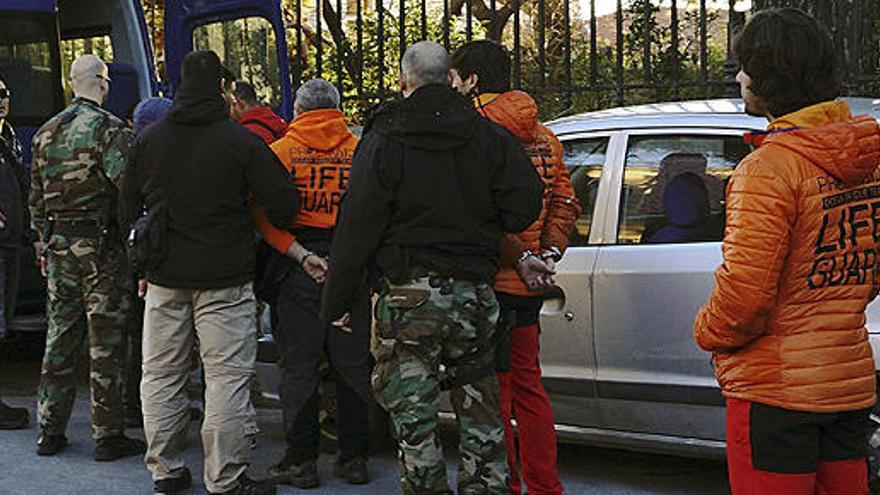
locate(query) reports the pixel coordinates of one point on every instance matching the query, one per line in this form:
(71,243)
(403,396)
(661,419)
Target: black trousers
(134,355)
(303,341)
(9,278)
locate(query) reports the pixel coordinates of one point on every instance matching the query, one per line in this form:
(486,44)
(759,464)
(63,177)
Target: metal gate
(571,55)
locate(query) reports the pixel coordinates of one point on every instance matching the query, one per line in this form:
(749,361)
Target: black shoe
(247,486)
(51,444)
(176,484)
(113,448)
(354,471)
(13,418)
(302,475)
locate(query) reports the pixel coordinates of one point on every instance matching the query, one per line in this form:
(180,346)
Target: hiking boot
(353,471)
(174,485)
(13,418)
(247,486)
(117,447)
(303,475)
(51,444)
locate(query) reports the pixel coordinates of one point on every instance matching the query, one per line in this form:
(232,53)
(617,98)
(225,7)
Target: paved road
(584,470)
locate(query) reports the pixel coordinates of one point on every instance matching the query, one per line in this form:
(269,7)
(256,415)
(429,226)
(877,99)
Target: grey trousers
(225,322)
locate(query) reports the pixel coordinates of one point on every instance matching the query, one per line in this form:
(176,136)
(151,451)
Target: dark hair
(245,92)
(790,59)
(202,71)
(489,60)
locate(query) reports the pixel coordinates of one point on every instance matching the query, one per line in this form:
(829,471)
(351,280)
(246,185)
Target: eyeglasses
(5,93)
(102,76)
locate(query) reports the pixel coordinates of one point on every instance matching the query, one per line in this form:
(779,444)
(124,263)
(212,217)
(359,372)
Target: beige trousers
(225,322)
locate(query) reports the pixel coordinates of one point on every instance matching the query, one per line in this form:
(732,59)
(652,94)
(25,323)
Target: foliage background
(635,74)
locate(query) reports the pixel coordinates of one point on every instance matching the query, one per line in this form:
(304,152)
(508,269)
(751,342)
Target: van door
(248,35)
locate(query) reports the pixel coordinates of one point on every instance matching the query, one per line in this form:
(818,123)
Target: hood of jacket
(199,100)
(265,116)
(829,136)
(433,117)
(686,200)
(515,110)
(322,130)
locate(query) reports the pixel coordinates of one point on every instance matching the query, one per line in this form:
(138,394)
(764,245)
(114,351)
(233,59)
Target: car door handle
(554,301)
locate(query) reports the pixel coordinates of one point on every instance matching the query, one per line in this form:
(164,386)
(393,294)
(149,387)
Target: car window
(674,186)
(247,47)
(585,159)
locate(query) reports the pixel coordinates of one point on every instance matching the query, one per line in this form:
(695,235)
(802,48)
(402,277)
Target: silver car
(619,360)
(617,352)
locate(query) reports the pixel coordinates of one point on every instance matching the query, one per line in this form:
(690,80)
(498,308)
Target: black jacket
(210,233)
(13,190)
(434,185)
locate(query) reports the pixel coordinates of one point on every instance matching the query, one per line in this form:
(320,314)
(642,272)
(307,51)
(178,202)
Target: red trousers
(523,397)
(776,451)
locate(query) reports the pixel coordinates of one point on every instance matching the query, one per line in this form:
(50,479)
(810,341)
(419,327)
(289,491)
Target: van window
(585,159)
(674,187)
(28,64)
(247,48)
(72,48)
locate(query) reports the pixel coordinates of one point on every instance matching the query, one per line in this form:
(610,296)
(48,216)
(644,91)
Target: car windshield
(29,65)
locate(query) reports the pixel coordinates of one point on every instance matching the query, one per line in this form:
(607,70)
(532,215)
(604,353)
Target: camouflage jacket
(79,156)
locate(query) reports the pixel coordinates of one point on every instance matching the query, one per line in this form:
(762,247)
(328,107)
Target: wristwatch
(553,253)
(523,257)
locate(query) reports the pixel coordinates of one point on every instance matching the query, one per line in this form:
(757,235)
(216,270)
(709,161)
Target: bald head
(89,79)
(423,63)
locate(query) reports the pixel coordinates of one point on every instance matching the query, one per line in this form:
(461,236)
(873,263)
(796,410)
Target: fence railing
(572,55)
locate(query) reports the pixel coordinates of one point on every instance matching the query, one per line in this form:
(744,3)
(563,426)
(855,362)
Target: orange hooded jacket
(786,319)
(518,113)
(317,148)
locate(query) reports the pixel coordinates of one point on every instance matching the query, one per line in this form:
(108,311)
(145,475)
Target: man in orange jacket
(245,108)
(786,320)
(481,70)
(317,148)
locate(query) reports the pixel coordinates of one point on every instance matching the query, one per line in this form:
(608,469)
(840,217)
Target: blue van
(40,38)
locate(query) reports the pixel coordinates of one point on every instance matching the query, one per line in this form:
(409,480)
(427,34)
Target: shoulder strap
(264,126)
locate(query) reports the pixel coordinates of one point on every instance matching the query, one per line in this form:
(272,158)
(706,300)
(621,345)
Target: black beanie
(201,73)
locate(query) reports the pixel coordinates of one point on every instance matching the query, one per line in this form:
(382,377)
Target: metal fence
(572,55)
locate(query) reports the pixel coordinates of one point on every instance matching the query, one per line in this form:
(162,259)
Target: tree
(655,63)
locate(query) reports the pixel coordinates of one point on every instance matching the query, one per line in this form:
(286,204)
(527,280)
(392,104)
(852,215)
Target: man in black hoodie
(433,187)
(14,225)
(203,285)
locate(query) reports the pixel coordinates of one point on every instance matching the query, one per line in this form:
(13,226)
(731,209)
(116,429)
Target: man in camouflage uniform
(78,160)
(433,187)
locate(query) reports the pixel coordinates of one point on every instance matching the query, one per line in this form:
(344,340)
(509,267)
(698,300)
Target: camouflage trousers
(421,326)
(88,300)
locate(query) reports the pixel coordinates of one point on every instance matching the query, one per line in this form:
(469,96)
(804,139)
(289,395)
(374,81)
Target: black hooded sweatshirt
(220,164)
(13,190)
(434,185)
